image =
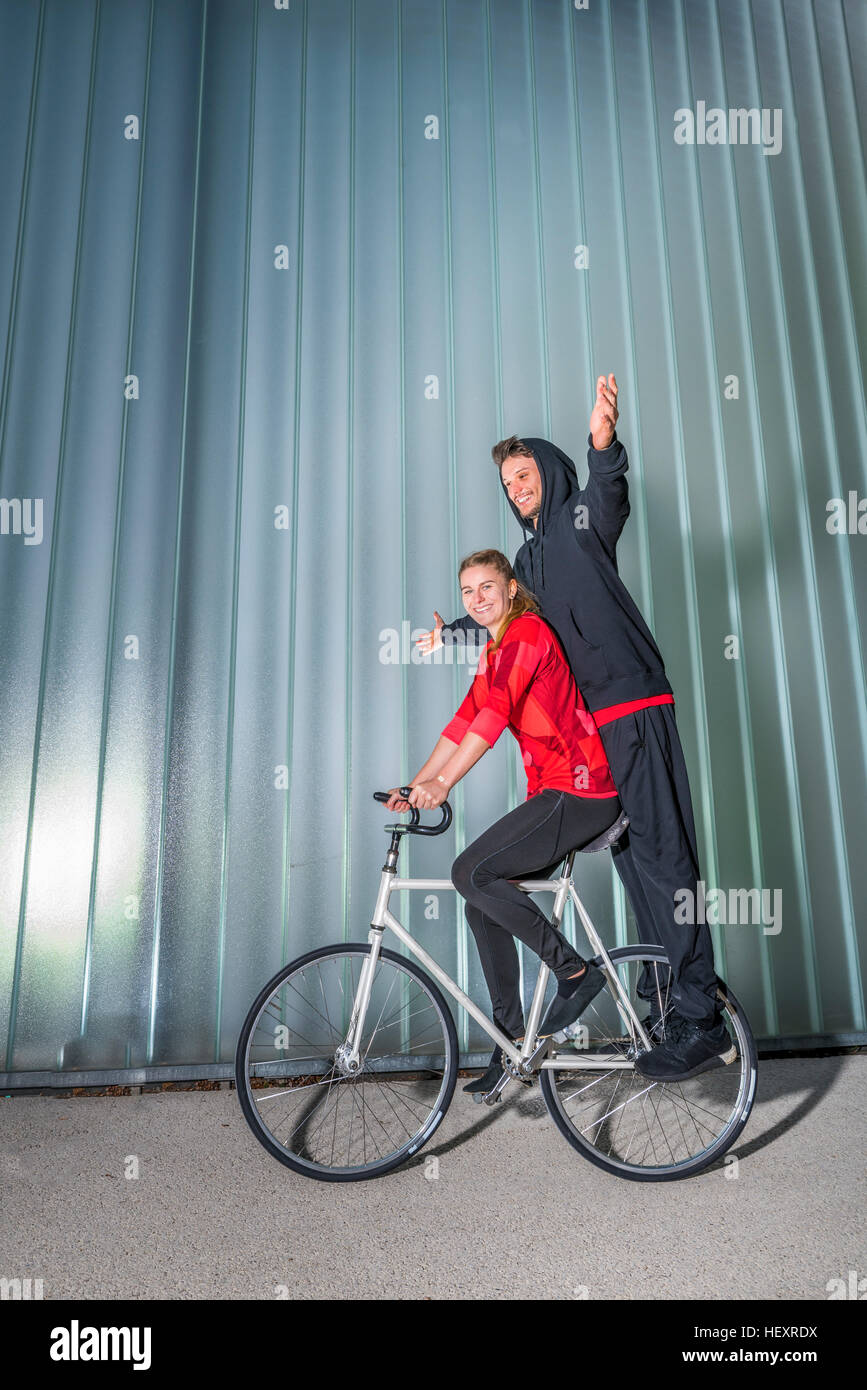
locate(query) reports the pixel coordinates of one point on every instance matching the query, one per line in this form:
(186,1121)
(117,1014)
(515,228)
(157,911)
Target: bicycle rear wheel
(293,1093)
(639,1129)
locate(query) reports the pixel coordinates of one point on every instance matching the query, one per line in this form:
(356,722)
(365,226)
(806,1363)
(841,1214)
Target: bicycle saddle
(609,836)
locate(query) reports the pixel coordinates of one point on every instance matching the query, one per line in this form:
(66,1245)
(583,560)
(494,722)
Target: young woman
(523,683)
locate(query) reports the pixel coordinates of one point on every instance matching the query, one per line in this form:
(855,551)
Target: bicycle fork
(347,1057)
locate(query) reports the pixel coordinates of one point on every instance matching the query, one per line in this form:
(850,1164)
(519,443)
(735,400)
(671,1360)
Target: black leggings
(529,842)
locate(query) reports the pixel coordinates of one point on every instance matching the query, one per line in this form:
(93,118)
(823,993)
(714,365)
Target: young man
(568,560)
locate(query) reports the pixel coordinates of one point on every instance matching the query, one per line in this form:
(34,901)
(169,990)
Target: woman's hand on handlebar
(396,802)
(428,795)
(425,795)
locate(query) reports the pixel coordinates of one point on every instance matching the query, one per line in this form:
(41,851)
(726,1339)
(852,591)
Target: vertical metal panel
(286,496)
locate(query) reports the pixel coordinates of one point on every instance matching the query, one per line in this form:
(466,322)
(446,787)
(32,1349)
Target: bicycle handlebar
(414,828)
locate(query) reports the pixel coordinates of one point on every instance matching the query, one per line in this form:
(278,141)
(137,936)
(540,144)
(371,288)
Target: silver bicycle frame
(562,888)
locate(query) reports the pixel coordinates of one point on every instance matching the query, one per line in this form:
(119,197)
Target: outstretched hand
(604,416)
(433,639)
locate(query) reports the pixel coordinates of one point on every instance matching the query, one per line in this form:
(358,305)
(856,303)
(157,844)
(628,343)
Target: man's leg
(649,768)
(630,877)
(622,746)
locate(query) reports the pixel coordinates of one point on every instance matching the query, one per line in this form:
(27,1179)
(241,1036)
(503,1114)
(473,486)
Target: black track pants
(529,842)
(658,855)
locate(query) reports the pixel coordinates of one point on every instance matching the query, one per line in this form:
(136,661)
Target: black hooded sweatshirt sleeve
(569,562)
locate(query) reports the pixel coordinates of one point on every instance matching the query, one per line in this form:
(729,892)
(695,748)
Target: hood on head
(559,481)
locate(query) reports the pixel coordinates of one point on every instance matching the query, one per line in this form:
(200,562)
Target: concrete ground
(514,1210)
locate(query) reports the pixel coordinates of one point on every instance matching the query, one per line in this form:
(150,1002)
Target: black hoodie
(569,563)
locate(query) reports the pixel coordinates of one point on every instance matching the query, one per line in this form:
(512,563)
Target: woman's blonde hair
(523,602)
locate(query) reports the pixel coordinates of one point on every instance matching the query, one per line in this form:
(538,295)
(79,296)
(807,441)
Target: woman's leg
(527,842)
(499,956)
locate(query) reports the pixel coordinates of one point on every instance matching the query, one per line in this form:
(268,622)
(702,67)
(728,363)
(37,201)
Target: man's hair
(523,602)
(507,448)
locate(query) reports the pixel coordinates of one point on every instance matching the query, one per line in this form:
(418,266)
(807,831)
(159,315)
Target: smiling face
(487,595)
(523,483)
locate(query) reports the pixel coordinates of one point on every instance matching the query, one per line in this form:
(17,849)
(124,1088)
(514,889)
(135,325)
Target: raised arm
(606,495)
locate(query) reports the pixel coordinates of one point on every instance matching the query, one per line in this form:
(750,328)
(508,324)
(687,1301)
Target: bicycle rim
(294,1096)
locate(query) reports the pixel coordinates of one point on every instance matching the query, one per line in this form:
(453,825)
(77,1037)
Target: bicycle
(355,1048)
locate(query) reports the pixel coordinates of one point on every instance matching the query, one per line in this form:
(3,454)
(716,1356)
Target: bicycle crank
(513,1071)
(496,1093)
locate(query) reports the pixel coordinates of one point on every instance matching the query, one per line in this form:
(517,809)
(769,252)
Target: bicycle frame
(562,888)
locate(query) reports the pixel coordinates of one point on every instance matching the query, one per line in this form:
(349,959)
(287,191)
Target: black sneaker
(688,1049)
(488,1080)
(566,1008)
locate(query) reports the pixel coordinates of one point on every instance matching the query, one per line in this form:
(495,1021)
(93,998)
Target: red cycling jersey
(527,685)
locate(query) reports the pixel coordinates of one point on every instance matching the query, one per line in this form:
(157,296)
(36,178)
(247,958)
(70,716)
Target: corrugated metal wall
(273,280)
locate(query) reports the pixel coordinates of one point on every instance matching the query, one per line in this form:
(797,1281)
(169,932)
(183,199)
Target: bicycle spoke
(381,1012)
(611,1112)
(403,1099)
(394,1018)
(690,1105)
(294,1090)
(391,1105)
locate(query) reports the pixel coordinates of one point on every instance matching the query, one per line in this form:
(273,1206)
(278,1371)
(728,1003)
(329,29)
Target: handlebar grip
(404,791)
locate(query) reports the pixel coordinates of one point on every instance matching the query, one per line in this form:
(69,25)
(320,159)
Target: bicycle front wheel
(648,1131)
(293,1092)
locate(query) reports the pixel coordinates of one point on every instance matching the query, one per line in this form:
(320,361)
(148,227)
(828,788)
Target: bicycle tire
(743,1037)
(444,1098)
